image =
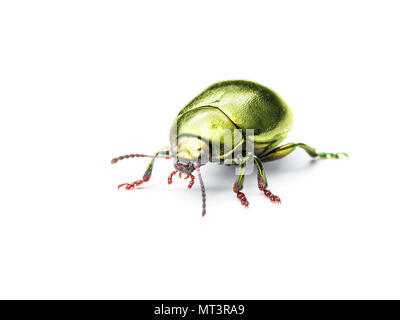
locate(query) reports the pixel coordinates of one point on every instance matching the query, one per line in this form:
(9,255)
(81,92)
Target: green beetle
(231,122)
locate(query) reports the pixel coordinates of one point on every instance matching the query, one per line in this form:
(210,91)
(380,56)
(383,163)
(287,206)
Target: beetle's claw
(328,155)
(123,184)
(130,186)
(342,154)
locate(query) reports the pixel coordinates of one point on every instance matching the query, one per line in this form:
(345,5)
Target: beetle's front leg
(147,174)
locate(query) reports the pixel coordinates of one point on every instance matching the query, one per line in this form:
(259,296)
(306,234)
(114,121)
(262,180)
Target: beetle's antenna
(134,155)
(203,190)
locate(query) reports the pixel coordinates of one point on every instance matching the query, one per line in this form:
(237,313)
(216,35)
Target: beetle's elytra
(231,122)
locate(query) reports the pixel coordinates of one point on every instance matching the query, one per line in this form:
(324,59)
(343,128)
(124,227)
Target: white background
(84,81)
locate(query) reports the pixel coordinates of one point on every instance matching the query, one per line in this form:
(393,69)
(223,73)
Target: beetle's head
(184,167)
(189,150)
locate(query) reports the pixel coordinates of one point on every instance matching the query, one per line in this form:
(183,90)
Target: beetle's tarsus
(191,183)
(243,200)
(329,155)
(271,196)
(171,175)
(240,195)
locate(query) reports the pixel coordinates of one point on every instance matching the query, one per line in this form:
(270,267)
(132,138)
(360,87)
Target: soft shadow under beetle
(230,122)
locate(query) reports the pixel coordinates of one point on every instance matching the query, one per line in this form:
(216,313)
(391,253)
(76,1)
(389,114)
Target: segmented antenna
(134,155)
(203,190)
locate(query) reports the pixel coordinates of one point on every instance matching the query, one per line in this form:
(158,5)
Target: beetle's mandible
(230,122)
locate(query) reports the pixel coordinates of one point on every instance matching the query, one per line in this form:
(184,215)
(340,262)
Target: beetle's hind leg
(284,150)
(147,174)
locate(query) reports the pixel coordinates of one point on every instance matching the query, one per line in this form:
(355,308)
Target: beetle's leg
(149,169)
(284,150)
(262,181)
(171,175)
(191,183)
(147,174)
(238,185)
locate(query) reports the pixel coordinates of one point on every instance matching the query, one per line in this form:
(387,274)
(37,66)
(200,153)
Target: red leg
(147,175)
(241,196)
(268,193)
(271,196)
(130,186)
(191,180)
(180,176)
(171,175)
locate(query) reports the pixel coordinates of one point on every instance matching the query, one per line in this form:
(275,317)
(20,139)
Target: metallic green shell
(235,104)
